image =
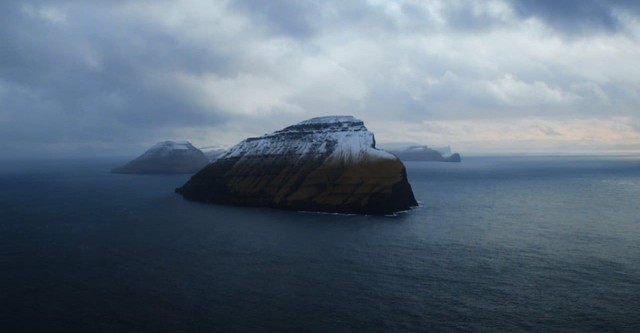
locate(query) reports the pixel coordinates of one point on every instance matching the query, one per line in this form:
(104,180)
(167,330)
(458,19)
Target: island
(324,164)
(426,154)
(166,157)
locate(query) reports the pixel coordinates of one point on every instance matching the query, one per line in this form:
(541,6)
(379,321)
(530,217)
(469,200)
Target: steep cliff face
(325,164)
(167,157)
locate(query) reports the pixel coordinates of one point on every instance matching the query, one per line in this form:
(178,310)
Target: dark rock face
(424,153)
(166,157)
(453,158)
(327,164)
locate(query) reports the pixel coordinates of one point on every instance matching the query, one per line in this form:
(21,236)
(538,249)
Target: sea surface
(498,244)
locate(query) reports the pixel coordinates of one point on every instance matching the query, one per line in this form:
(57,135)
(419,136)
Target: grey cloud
(305,20)
(91,77)
(288,17)
(577,17)
(461,16)
(549,131)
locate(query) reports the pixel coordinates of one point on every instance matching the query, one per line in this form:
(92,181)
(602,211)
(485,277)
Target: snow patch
(330,120)
(352,147)
(344,138)
(166,147)
(171,145)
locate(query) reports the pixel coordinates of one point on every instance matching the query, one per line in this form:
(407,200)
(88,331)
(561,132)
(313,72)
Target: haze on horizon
(113,77)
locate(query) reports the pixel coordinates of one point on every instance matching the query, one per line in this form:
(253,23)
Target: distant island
(327,164)
(424,153)
(166,157)
(212,152)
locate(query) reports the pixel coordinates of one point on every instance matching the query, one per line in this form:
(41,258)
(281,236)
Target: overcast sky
(107,77)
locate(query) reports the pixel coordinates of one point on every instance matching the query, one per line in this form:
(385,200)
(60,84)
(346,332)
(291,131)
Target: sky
(112,77)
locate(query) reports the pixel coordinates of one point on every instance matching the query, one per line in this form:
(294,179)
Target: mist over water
(497,244)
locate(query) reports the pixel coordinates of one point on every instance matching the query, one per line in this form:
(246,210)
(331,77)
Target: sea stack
(167,157)
(326,164)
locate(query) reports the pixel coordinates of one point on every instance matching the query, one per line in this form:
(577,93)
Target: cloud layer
(113,77)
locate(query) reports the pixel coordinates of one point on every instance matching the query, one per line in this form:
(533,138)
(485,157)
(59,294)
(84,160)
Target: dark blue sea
(499,244)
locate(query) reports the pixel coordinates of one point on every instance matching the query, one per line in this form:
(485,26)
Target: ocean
(498,244)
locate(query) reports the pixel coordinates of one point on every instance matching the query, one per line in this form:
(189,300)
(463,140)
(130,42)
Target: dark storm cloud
(577,16)
(93,76)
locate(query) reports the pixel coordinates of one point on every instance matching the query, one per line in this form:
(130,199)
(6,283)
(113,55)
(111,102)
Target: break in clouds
(113,77)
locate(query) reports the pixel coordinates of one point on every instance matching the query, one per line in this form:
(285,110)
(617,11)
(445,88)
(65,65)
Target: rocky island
(167,157)
(327,164)
(425,154)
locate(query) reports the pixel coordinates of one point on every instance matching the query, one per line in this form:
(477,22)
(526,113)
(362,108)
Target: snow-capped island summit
(167,157)
(327,164)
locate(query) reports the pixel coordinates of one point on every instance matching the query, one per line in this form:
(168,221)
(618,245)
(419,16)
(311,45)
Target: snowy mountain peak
(325,164)
(341,138)
(169,145)
(325,124)
(167,157)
